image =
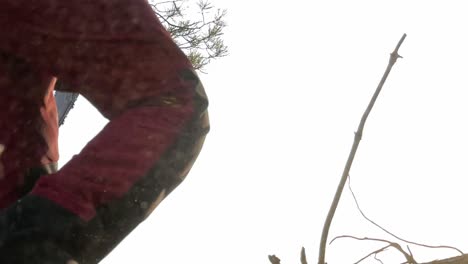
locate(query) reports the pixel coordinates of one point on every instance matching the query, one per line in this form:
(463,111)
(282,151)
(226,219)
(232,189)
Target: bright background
(284,105)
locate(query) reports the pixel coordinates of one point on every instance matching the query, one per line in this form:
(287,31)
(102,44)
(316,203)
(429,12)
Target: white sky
(284,106)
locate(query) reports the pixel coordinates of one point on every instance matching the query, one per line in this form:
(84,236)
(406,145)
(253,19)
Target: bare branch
(409,258)
(375,257)
(390,233)
(357,138)
(374,253)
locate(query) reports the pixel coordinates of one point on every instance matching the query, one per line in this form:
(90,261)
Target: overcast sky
(284,105)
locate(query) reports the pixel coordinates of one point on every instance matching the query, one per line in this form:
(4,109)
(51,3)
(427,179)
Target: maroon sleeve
(117,55)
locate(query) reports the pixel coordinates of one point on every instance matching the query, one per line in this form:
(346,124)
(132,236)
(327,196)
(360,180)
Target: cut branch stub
(274,260)
(303,256)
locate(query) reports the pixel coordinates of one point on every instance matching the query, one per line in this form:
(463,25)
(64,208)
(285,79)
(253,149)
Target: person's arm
(136,76)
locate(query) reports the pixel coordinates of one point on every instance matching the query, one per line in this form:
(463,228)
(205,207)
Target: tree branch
(390,233)
(357,138)
(409,258)
(463,259)
(374,253)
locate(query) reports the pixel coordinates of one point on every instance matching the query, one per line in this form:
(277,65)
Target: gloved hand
(30,252)
(33,230)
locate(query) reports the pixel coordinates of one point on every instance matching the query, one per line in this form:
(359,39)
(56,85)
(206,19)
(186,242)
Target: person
(118,56)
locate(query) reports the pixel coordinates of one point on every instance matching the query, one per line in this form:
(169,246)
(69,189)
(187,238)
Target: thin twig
(397,246)
(376,258)
(372,253)
(359,238)
(409,251)
(388,232)
(357,138)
